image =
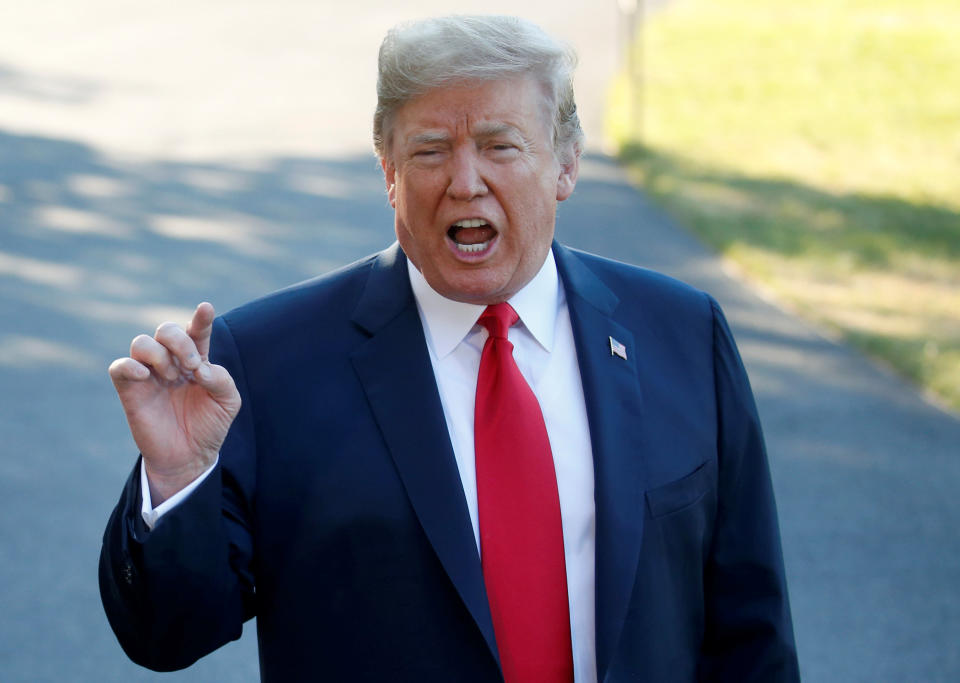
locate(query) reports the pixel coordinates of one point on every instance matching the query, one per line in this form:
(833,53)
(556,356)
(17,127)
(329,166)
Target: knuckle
(166,329)
(174,338)
(141,342)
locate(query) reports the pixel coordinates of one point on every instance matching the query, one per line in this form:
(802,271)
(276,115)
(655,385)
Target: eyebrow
(492,129)
(428,138)
(484,130)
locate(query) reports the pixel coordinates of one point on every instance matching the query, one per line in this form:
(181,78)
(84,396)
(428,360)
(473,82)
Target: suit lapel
(393,366)
(613,401)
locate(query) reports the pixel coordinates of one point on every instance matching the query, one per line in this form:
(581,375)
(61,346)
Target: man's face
(473,178)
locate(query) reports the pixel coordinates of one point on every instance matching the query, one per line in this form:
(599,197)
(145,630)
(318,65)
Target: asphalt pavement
(152,158)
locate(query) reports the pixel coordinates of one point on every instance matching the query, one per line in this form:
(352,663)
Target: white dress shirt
(545,353)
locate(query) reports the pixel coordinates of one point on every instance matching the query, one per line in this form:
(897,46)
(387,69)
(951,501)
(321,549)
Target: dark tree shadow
(792,218)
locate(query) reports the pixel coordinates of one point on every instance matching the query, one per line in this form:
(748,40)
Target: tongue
(472,235)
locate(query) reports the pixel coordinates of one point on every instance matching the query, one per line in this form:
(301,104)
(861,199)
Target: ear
(390,177)
(567,179)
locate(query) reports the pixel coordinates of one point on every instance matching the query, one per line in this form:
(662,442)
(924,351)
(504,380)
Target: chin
(474,288)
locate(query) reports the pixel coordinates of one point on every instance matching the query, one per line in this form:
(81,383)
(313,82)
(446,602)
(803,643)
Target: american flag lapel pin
(617,349)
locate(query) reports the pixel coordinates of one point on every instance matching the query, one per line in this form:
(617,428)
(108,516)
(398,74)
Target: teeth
(470,248)
(470,223)
(473,248)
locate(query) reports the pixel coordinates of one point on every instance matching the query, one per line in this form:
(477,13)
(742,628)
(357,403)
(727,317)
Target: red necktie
(521,536)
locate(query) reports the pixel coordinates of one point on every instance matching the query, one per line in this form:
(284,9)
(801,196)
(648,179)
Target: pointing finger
(200,328)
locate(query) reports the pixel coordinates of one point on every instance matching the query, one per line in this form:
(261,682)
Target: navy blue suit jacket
(336,515)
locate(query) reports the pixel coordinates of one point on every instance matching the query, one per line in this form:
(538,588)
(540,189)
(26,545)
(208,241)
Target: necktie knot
(498,318)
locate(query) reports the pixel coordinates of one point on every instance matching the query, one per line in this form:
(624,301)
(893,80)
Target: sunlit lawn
(817,146)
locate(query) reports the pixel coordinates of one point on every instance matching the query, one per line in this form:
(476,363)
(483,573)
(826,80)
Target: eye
(427,156)
(502,150)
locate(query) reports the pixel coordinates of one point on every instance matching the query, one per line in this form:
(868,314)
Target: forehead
(475,108)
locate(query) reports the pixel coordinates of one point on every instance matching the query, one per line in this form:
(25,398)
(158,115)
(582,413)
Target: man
(404,479)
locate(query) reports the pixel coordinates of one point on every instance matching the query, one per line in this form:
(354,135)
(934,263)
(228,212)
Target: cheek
(535,214)
(413,193)
(412,222)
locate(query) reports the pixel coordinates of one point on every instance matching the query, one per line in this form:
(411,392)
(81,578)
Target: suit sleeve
(178,592)
(749,633)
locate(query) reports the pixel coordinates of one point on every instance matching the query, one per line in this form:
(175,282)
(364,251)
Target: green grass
(817,146)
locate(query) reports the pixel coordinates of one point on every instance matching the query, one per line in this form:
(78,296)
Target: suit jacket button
(127,573)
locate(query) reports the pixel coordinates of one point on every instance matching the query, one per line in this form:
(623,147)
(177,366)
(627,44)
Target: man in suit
(405,479)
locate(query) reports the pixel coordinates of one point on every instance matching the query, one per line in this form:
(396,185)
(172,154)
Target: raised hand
(179,406)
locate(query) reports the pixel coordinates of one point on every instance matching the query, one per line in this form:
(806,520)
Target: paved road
(151,159)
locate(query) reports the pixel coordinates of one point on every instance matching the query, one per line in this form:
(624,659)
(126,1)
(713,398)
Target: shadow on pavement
(92,252)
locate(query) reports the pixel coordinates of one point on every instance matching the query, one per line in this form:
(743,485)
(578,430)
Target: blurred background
(817,146)
(801,161)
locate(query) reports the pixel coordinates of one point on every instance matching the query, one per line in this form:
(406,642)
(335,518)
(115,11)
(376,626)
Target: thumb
(217,382)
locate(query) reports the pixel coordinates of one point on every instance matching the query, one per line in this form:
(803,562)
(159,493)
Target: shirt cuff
(151,515)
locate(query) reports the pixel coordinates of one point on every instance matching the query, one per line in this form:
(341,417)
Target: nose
(466,178)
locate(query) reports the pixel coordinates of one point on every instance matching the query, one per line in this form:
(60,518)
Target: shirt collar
(448,322)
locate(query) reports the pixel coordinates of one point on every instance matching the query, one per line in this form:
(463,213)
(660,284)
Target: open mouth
(472,236)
